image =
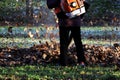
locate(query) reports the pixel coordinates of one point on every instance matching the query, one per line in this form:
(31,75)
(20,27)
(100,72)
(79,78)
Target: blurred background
(35,13)
(28,22)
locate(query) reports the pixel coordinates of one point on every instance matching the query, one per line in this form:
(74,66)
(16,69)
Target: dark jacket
(62,18)
(67,22)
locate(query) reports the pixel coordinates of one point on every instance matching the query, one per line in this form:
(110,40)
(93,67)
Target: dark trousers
(75,33)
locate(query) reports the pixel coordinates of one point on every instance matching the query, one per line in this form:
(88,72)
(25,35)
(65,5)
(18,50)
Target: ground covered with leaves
(41,62)
(49,53)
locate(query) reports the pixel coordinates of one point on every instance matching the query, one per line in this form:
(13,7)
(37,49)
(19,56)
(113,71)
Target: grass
(52,72)
(20,37)
(28,42)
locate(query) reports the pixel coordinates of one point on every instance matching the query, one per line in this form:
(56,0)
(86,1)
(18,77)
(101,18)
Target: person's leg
(64,32)
(76,33)
(69,38)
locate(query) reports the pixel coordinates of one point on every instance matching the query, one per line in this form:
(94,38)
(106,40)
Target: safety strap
(80,3)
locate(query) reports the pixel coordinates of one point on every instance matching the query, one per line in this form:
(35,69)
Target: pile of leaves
(49,53)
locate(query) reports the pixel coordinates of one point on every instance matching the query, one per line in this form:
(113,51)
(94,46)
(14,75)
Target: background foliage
(101,12)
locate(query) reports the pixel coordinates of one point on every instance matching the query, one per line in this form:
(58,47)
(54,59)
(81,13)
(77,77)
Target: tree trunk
(29,12)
